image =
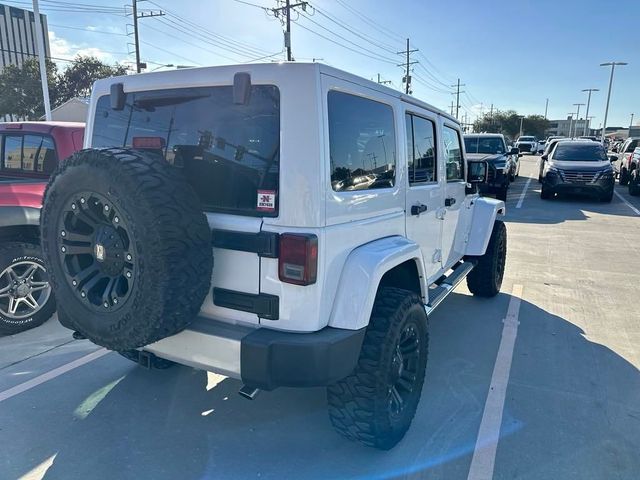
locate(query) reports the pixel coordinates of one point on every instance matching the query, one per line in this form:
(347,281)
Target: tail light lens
(298,258)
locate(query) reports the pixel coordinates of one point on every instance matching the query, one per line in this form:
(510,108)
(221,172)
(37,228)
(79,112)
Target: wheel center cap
(23,290)
(99,252)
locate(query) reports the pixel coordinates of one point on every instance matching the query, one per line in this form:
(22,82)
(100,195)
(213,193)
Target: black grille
(524,147)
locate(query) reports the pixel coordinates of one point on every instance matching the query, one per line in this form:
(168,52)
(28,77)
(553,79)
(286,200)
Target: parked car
(527,144)
(314,283)
(541,145)
(578,166)
(29,152)
(550,143)
(623,164)
(634,175)
(589,137)
(504,164)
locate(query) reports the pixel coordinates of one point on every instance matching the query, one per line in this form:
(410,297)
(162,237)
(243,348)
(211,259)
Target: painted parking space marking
(484,455)
(524,192)
(627,203)
(56,372)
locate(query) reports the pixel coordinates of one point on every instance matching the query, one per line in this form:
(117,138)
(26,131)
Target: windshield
(229,153)
(526,139)
(493,145)
(580,152)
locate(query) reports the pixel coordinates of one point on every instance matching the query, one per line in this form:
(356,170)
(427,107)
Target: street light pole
(571,114)
(606,109)
(577,116)
(631,121)
(586,116)
(521,120)
(42,61)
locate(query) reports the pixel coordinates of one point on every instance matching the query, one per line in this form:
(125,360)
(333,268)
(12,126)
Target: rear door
(454,195)
(230,155)
(424,198)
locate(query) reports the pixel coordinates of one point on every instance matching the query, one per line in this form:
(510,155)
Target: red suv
(29,153)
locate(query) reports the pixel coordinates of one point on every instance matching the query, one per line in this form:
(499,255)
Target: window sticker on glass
(266,201)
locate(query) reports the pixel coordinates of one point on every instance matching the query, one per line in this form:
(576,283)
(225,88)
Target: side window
(12,152)
(362,143)
(47,157)
(421,148)
(453,153)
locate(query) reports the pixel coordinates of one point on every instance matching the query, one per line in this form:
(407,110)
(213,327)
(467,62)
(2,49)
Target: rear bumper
(264,358)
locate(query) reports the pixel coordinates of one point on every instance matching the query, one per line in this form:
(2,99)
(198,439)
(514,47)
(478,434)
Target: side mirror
(613,158)
(477,172)
(514,151)
(520,155)
(241,88)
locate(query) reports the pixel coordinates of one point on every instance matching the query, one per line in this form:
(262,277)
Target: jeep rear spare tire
(127,247)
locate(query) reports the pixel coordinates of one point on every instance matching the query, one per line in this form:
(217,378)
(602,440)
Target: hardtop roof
(194,75)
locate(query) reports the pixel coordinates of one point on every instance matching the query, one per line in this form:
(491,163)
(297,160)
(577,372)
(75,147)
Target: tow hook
(78,336)
(250,393)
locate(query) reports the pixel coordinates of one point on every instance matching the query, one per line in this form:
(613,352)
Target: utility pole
(452,108)
(42,61)
(586,115)
(606,109)
(546,107)
(286,9)
(407,77)
(458,92)
(134,3)
(491,115)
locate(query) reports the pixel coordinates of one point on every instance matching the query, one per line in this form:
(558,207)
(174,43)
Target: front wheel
(624,176)
(486,277)
(502,193)
(377,402)
(634,183)
(26,300)
(607,197)
(545,193)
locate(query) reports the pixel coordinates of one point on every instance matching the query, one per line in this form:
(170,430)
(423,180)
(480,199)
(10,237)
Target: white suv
(339,213)
(527,144)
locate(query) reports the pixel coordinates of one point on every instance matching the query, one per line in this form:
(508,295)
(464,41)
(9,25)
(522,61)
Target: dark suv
(503,162)
(578,166)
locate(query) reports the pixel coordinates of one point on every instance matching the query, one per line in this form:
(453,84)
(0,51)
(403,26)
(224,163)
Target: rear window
(632,145)
(580,153)
(28,153)
(229,153)
(492,145)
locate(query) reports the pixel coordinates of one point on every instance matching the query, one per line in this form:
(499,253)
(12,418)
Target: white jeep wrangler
(283,224)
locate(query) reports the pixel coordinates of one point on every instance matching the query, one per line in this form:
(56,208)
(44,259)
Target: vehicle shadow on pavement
(572,411)
(563,208)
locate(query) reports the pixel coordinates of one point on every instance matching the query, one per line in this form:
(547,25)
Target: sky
(513,54)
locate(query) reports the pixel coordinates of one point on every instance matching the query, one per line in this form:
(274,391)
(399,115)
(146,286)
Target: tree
(22,91)
(78,78)
(508,123)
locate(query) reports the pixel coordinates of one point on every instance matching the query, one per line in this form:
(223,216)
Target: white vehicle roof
(207,76)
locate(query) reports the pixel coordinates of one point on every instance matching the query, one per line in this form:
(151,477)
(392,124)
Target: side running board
(445,284)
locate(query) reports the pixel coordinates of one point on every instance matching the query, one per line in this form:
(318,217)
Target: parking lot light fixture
(586,115)
(606,109)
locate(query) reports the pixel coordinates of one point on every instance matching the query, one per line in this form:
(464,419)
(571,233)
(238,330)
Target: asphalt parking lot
(570,380)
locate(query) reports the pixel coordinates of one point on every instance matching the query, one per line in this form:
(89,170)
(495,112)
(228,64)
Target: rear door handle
(449,201)
(418,209)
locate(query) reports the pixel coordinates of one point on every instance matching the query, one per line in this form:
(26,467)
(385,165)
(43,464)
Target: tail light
(298,258)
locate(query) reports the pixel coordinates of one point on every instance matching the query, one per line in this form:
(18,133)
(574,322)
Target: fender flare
(485,211)
(361,275)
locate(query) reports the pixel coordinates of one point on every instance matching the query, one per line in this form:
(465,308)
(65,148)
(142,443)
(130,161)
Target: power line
(286,9)
(136,17)
(379,28)
(86,29)
(407,64)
